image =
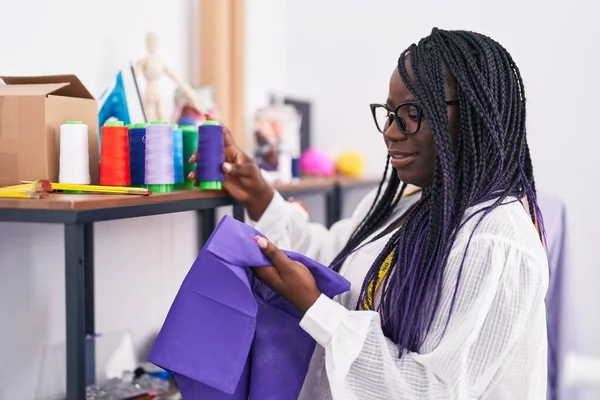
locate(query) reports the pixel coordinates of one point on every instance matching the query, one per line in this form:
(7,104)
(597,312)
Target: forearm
(287,225)
(361,363)
(258,204)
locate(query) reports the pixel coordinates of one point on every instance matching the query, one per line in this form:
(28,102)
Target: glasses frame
(399,120)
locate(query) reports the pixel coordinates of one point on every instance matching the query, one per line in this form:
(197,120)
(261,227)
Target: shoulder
(412,195)
(504,238)
(506,222)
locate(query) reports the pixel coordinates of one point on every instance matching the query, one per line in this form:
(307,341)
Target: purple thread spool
(160,167)
(211,156)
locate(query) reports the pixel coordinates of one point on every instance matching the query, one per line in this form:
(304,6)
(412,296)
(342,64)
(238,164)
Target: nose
(394,134)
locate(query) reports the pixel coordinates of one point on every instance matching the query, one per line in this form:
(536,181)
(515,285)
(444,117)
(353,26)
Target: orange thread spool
(114,155)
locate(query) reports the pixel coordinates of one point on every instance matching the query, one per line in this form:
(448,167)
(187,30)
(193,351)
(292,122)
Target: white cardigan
(495,344)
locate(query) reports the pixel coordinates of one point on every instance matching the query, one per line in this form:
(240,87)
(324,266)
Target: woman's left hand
(289,278)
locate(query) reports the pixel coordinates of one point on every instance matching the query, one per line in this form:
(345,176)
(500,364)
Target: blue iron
(121,101)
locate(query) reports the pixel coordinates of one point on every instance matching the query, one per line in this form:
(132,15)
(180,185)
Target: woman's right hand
(243,179)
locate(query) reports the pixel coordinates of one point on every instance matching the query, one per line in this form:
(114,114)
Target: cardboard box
(32,109)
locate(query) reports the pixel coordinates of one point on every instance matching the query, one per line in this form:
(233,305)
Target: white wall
(136,282)
(266,50)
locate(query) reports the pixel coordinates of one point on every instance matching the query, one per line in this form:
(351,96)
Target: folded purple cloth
(227,335)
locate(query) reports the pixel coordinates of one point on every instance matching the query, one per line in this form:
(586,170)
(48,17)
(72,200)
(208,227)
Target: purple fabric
(227,335)
(560,312)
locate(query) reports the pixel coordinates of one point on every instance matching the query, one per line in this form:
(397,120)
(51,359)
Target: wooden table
(78,212)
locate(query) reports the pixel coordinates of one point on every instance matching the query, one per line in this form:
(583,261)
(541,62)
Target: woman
(448,270)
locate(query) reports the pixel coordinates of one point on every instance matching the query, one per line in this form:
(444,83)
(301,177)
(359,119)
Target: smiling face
(413,156)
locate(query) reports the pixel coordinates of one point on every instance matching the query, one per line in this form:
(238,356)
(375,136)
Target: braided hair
(489,162)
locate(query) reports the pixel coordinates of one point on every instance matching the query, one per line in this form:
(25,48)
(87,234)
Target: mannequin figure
(153,67)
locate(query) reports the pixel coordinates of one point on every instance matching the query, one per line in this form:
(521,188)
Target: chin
(412,178)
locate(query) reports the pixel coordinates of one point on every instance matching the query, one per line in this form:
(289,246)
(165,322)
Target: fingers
(194,157)
(228,140)
(232,154)
(244,170)
(269,276)
(232,149)
(192,175)
(279,260)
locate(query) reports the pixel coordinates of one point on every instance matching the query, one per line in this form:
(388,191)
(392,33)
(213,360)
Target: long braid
(489,162)
(375,204)
(380,210)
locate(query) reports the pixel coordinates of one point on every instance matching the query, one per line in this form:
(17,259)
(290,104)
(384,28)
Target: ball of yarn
(317,162)
(351,164)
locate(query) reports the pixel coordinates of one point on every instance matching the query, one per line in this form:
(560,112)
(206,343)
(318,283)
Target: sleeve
(287,225)
(498,314)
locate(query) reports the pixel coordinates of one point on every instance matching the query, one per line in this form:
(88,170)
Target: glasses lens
(382,118)
(409,118)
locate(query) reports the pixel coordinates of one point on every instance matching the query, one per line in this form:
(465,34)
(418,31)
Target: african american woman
(446,258)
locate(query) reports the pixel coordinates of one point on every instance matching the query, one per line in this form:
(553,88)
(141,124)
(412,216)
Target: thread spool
(190,144)
(178,154)
(137,153)
(160,170)
(211,156)
(284,168)
(74,164)
(114,155)
(185,121)
(295,168)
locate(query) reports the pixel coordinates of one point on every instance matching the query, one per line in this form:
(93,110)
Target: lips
(401,159)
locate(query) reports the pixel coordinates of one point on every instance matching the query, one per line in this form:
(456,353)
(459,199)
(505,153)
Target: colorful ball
(316,162)
(351,164)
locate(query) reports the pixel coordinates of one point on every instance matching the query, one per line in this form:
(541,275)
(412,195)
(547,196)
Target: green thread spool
(190,145)
(156,188)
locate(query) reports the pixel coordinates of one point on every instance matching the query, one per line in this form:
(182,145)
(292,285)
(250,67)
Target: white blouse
(495,344)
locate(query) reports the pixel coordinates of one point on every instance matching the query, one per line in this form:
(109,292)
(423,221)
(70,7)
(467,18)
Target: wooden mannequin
(153,67)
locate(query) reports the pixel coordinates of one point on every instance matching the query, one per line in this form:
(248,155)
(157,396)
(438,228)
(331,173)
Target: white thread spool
(284,168)
(74,153)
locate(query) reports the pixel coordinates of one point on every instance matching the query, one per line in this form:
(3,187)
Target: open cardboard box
(32,109)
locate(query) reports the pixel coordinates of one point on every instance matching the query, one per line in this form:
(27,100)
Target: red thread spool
(114,155)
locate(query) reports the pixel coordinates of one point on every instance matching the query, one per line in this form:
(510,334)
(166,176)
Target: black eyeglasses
(407,116)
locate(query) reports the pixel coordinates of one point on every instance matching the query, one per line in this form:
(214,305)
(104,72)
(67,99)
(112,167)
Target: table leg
(79,289)
(238,212)
(333,206)
(206,224)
